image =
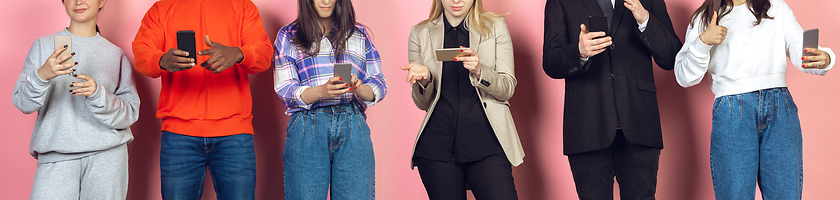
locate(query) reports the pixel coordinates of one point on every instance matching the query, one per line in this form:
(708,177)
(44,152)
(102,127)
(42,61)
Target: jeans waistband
(346,107)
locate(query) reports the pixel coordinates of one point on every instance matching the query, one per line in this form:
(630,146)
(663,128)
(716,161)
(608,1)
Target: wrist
(239,55)
(43,75)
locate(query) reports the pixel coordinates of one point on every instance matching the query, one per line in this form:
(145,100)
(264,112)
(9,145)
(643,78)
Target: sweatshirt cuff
(37,82)
(248,57)
(96,99)
(154,63)
(701,48)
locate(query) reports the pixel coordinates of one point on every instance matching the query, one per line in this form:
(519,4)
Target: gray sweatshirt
(69,126)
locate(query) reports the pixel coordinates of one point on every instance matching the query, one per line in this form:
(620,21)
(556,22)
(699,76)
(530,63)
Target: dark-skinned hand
(221,56)
(176,60)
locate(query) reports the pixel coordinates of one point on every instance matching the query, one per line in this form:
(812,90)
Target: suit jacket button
(612,76)
(612,46)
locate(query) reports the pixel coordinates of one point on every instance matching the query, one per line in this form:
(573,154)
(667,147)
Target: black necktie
(607,9)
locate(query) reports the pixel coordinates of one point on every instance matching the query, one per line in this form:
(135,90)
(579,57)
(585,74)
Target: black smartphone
(598,23)
(810,39)
(186,42)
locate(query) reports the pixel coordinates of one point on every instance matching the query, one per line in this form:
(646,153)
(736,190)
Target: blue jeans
(756,137)
(184,160)
(328,148)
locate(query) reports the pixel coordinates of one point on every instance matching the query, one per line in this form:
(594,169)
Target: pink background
(537,105)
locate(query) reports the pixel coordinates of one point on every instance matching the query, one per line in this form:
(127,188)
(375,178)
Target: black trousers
(633,166)
(490,178)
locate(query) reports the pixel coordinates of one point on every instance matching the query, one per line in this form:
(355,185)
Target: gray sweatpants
(100,176)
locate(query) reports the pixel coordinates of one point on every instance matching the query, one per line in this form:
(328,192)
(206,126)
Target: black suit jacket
(615,85)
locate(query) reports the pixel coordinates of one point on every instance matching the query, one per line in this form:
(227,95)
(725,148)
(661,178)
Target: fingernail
(71,85)
(456,59)
(345,84)
(65,46)
(462,50)
(76,63)
(806,50)
(73,54)
(74,70)
(355,87)
(339,78)
(803,58)
(71,91)
(803,65)
(74,75)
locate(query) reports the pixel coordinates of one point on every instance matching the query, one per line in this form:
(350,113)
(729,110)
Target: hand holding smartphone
(810,39)
(344,71)
(449,54)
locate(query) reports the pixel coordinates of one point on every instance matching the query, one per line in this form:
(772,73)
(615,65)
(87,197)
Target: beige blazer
(494,87)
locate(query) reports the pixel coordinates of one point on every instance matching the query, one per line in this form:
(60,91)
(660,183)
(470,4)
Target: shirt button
(612,76)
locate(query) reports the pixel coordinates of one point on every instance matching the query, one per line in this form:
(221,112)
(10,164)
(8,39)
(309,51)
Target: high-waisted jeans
(756,137)
(328,148)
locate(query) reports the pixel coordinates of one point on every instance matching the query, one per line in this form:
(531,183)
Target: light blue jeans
(328,148)
(756,137)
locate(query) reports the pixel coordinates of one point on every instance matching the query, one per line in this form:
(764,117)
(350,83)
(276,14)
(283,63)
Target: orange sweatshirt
(198,102)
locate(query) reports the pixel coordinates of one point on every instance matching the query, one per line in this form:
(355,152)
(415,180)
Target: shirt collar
(448,27)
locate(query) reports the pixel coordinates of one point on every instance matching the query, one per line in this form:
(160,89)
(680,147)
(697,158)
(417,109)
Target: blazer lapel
(618,15)
(436,39)
(475,39)
(592,6)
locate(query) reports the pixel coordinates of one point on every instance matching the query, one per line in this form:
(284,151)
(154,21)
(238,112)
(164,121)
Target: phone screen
(810,39)
(186,42)
(598,23)
(60,41)
(343,70)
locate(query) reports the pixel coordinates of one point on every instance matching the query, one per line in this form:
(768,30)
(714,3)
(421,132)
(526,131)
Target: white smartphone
(60,41)
(343,70)
(449,54)
(810,39)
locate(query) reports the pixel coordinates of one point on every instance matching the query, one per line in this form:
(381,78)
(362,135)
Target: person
(85,107)
(611,126)
(756,135)
(328,144)
(206,110)
(468,136)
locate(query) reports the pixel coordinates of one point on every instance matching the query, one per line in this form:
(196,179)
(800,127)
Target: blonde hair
(477,17)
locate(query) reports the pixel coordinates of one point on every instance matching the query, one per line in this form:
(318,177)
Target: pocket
(646,85)
(716,107)
(294,121)
(789,102)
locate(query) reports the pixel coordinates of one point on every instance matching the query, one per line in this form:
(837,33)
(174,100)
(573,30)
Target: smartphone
(598,23)
(449,54)
(810,39)
(343,70)
(60,41)
(186,42)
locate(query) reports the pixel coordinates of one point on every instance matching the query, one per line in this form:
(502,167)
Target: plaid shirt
(294,70)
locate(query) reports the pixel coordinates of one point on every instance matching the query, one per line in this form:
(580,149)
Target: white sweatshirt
(751,57)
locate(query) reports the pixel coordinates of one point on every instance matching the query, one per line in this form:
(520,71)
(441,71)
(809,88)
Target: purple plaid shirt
(294,71)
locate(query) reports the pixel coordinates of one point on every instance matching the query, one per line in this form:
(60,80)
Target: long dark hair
(309,33)
(758,8)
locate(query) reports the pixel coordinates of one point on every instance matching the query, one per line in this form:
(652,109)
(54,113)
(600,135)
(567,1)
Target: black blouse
(458,129)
